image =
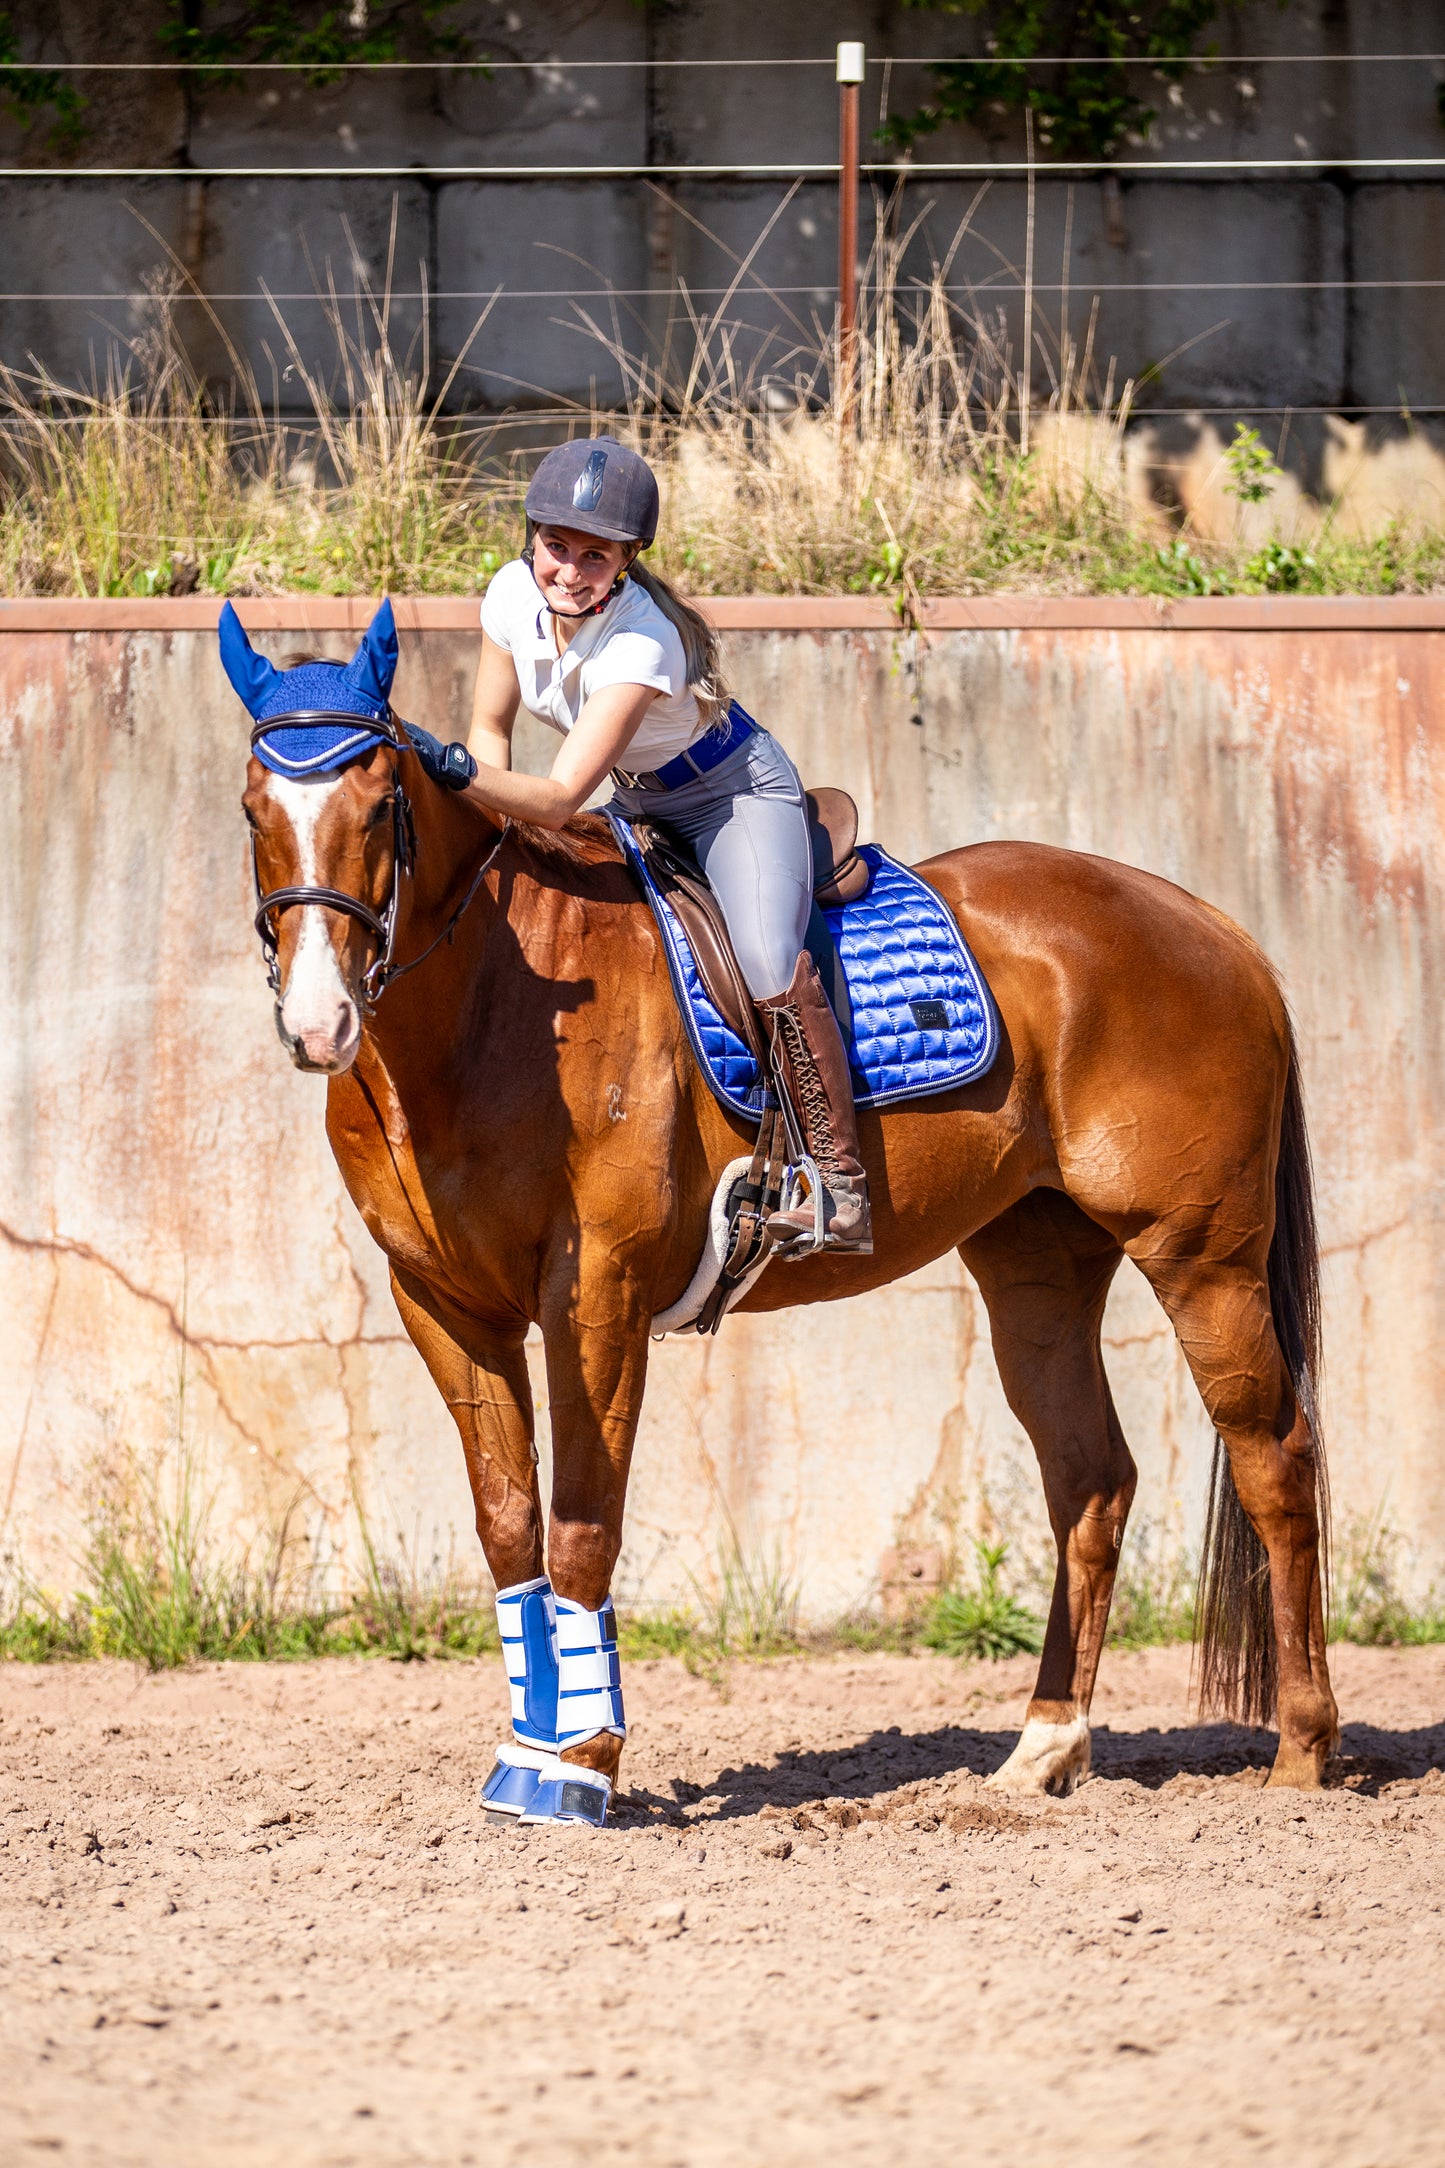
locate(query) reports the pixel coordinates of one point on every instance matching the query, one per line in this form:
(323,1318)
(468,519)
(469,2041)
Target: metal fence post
(850,76)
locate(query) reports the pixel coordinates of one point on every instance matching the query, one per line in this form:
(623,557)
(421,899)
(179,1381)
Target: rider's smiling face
(576,570)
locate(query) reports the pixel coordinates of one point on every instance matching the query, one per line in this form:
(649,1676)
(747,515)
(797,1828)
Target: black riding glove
(450,765)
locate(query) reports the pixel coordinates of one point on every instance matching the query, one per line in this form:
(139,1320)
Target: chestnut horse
(525,1133)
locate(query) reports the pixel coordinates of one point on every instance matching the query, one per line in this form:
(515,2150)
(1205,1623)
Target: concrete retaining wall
(178,1262)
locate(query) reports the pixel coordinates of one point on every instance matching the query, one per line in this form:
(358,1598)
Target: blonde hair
(700,644)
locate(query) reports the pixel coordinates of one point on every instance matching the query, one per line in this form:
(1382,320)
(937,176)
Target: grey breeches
(748,829)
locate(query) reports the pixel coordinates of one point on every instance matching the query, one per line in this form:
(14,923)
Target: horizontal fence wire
(824,60)
(989,285)
(772,170)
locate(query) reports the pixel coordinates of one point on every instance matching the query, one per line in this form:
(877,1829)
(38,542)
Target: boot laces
(817,1113)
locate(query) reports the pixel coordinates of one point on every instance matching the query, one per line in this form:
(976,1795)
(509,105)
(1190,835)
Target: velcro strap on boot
(526,1621)
(589,1677)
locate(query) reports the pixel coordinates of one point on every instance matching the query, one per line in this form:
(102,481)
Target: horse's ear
(373,666)
(253,677)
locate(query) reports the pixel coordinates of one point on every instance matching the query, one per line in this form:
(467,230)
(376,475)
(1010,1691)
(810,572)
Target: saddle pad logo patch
(929,1015)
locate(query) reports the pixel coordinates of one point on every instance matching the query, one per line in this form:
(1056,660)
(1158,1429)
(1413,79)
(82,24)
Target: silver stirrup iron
(804,1180)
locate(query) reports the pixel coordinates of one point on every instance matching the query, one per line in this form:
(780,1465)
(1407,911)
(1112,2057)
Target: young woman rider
(605,652)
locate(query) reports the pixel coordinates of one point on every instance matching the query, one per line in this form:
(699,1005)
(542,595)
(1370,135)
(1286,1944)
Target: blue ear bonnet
(347,705)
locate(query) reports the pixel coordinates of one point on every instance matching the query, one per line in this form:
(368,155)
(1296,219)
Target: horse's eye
(251,820)
(380,812)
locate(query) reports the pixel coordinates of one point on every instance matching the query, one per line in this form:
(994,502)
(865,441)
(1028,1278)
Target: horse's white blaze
(318,1016)
(1048,1758)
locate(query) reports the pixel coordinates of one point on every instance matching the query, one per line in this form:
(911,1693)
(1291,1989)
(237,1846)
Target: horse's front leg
(481,1372)
(596,1336)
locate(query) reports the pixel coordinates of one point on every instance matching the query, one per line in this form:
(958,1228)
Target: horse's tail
(1234,1620)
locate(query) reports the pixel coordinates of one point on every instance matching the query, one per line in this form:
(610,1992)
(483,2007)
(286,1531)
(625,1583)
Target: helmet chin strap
(593,609)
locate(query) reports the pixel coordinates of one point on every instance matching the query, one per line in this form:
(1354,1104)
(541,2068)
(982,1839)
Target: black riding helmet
(597,486)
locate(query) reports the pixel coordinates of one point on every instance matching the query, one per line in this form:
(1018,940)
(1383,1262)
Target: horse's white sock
(527,1622)
(589,1680)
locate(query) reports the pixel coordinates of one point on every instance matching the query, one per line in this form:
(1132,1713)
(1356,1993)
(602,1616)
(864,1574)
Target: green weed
(749,1606)
(156,1590)
(646,1634)
(1153,1606)
(1368,1607)
(985,1620)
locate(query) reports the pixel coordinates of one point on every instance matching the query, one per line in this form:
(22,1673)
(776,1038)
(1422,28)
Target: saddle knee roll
(589,1676)
(527,1623)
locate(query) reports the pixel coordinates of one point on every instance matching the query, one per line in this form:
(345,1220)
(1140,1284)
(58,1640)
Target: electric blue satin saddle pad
(922,1019)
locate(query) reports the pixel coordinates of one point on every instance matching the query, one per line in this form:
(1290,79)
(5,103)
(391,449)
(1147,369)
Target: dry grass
(955,470)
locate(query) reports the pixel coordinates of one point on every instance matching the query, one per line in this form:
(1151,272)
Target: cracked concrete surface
(169,1213)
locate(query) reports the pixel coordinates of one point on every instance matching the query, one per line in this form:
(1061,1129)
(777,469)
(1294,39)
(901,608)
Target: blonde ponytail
(700,644)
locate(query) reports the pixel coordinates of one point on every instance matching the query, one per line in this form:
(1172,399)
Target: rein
(381,925)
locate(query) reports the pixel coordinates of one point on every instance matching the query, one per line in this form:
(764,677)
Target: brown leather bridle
(381,925)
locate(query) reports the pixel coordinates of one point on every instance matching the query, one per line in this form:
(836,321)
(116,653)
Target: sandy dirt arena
(248,1914)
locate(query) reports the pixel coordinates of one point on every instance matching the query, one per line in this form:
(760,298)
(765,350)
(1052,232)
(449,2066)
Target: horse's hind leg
(1044,1270)
(1263,1636)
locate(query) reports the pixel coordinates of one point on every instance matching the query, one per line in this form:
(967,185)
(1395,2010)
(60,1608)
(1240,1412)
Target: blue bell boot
(511,1789)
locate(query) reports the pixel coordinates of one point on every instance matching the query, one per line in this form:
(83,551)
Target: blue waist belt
(709,752)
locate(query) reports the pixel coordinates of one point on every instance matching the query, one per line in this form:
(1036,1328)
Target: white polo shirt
(631,642)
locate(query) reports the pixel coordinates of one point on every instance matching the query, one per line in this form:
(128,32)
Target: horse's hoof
(1297,1769)
(1049,1761)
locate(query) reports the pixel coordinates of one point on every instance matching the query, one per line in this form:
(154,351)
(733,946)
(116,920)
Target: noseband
(381,925)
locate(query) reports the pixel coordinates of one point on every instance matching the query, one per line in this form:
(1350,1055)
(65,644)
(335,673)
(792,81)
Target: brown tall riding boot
(815,1064)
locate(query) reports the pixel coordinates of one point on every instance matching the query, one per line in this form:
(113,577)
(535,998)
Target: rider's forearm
(489,744)
(540,799)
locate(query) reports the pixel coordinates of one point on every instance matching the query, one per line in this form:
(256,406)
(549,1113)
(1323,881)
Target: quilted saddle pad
(921,1018)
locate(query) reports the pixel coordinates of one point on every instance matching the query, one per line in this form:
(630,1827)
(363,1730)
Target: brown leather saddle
(839,876)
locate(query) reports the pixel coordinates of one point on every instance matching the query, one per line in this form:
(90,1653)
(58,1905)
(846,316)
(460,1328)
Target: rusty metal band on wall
(169,1210)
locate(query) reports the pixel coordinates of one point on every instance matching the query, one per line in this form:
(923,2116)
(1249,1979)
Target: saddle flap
(839,875)
(680,880)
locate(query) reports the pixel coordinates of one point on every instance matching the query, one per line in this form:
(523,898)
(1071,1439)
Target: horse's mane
(586,840)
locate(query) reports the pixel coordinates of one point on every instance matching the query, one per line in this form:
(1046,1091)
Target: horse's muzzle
(322,1050)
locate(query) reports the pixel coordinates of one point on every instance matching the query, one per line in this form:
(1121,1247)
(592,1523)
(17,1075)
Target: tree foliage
(27,95)
(322,38)
(1082,110)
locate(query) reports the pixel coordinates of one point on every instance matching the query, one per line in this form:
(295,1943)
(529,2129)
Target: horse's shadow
(878,1766)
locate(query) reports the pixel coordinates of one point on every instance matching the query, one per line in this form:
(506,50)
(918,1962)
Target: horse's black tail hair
(1234,1621)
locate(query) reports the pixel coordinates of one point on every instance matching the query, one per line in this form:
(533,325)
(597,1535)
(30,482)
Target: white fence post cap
(850,61)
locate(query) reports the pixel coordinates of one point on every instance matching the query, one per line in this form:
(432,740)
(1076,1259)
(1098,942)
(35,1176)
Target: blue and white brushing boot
(526,1620)
(589,1702)
(566,1687)
(589,1677)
